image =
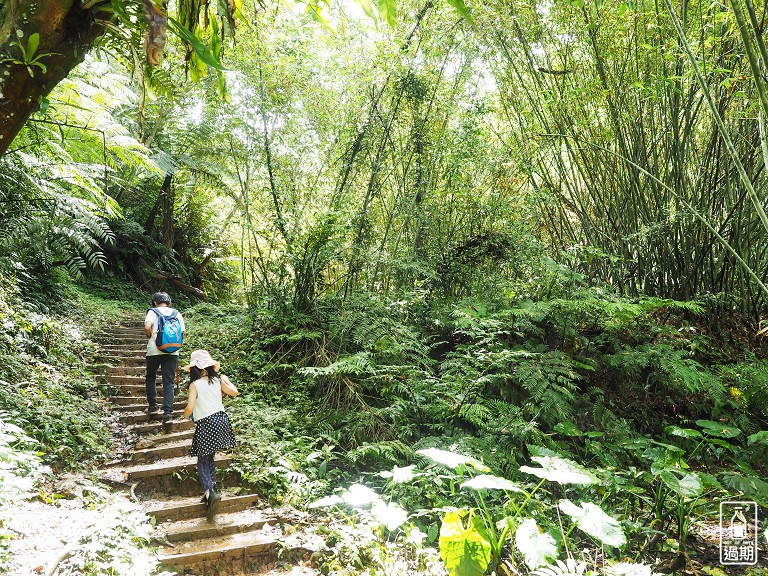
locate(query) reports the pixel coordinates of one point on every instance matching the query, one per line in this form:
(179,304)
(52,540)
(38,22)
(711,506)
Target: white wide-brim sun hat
(202,359)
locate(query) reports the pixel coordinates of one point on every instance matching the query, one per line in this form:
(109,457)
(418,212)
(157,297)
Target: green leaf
(758,438)
(367,8)
(202,51)
(751,486)
(718,429)
(538,548)
(466,551)
(488,482)
(388,12)
(591,519)
(688,485)
(32,45)
(567,429)
(682,432)
(452,459)
(461,8)
(560,470)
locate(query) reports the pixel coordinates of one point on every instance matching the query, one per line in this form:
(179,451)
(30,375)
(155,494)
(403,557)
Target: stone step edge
(226,524)
(259,546)
(192,509)
(151,470)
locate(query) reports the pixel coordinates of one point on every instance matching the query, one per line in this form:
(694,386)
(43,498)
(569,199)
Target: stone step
(241,549)
(132,349)
(119,401)
(139,390)
(130,361)
(142,417)
(120,406)
(116,380)
(167,451)
(155,427)
(128,371)
(123,335)
(104,370)
(225,524)
(178,508)
(133,473)
(158,440)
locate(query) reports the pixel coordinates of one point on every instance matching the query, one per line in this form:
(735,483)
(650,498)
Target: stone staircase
(160,474)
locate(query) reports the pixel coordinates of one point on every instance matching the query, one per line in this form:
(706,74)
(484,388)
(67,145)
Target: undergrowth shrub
(46,388)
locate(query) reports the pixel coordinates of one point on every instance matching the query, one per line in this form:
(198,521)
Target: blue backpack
(169,333)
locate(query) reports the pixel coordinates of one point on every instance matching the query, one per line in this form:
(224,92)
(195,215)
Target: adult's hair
(196,373)
(161,297)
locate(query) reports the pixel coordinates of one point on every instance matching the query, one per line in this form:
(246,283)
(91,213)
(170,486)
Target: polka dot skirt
(212,434)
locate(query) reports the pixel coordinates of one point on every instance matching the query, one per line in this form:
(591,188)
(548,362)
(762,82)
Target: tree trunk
(169,199)
(149,225)
(66,31)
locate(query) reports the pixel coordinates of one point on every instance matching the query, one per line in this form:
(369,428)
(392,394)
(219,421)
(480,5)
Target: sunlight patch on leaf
(560,470)
(537,547)
(489,482)
(682,432)
(400,475)
(359,496)
(591,519)
(389,514)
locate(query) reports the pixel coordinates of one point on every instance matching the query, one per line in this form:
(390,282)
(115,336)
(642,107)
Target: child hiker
(213,431)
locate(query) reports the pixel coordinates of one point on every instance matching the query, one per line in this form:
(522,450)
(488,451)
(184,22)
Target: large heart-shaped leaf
(718,429)
(560,470)
(359,495)
(591,519)
(389,514)
(682,432)
(466,551)
(538,548)
(687,485)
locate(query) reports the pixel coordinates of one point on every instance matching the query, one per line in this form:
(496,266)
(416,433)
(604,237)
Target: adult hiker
(213,430)
(166,359)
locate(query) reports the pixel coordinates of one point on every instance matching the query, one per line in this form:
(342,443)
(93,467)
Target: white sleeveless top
(208,398)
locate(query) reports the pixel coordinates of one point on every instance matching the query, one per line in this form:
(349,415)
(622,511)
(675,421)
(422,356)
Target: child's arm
(227,387)
(191,400)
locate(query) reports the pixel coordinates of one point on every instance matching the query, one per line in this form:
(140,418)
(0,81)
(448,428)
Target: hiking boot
(154,412)
(212,504)
(167,419)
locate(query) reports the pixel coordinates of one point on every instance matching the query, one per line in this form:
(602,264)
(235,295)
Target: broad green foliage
(464,545)
(561,470)
(46,390)
(591,519)
(538,548)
